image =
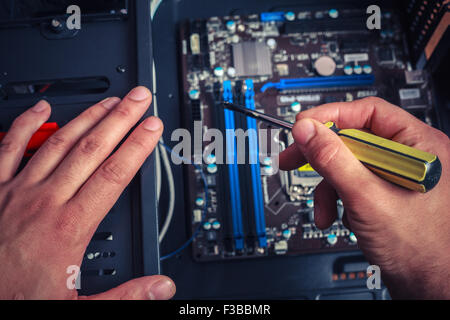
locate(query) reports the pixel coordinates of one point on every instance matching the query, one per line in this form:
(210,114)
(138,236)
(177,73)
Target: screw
(121,69)
(55,23)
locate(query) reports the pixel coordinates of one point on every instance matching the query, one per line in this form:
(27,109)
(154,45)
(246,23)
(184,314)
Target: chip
(252,59)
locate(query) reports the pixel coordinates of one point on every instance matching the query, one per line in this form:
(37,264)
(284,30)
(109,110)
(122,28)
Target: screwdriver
(400,164)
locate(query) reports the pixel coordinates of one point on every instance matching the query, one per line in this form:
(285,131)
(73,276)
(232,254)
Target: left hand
(50,210)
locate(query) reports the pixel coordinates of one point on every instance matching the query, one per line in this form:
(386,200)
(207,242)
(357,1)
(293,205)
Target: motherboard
(280,63)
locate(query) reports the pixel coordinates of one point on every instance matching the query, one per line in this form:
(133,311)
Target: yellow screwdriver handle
(400,164)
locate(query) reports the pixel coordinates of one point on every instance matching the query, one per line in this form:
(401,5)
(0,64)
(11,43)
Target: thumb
(145,288)
(331,158)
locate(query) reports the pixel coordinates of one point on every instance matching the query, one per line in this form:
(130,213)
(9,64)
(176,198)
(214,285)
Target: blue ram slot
(255,167)
(321,82)
(235,191)
(272,16)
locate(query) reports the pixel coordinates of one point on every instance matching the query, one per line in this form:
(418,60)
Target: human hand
(404,232)
(50,210)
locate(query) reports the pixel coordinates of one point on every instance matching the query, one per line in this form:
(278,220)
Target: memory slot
(255,167)
(231,156)
(321,82)
(248,218)
(223,197)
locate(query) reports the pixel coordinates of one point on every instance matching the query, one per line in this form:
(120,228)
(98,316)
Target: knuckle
(138,143)
(370,101)
(122,111)
(113,173)
(90,145)
(442,137)
(19,122)
(56,141)
(43,202)
(95,113)
(67,224)
(324,153)
(299,116)
(9,146)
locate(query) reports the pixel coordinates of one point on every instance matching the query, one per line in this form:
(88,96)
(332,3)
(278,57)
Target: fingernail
(40,106)
(152,124)
(162,290)
(109,103)
(139,94)
(305,131)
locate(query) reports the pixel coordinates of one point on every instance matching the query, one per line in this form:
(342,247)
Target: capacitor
(357,69)
(216,225)
(218,72)
(194,94)
(332,239)
(290,16)
(231,26)
(207,225)
(325,66)
(333,13)
(267,170)
(235,38)
(211,168)
(271,43)
(296,107)
(231,72)
(348,70)
(199,201)
(267,161)
(287,233)
(352,238)
(367,68)
(211,158)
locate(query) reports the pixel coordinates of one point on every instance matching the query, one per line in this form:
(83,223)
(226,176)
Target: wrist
(424,278)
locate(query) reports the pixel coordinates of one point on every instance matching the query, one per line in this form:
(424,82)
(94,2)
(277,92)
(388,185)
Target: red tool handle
(38,139)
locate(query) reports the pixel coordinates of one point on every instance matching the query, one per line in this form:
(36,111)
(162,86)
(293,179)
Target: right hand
(405,233)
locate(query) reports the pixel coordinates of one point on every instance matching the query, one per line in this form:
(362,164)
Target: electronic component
(323,82)
(429,35)
(272,16)
(325,66)
(251,59)
(281,63)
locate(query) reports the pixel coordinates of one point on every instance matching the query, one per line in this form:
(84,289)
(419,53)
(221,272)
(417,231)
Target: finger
(145,288)
(102,190)
(325,205)
(97,145)
(291,158)
(53,151)
(381,117)
(13,145)
(329,156)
